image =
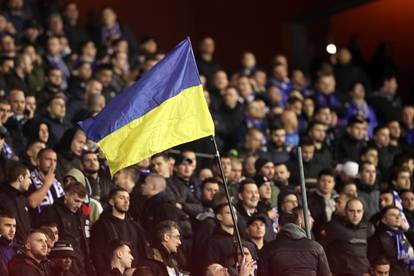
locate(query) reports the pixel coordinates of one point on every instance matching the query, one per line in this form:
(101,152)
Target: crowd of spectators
(61,213)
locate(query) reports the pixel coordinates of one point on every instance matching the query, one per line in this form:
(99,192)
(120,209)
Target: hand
(50,176)
(246,267)
(179,206)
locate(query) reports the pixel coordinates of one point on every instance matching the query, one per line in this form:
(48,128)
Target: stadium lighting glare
(331,48)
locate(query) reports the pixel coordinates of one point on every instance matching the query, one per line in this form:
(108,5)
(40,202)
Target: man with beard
(8,247)
(367,189)
(32,260)
(98,179)
(115,223)
(277,149)
(317,132)
(281,178)
(46,189)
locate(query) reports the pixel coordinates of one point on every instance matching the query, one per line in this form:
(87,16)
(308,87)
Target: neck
(258,242)
(318,145)
(394,142)
(38,260)
(118,214)
(116,264)
(227,229)
(15,185)
(207,57)
(250,210)
(92,175)
(20,72)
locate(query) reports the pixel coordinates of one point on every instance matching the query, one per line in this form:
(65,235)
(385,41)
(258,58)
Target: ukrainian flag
(165,108)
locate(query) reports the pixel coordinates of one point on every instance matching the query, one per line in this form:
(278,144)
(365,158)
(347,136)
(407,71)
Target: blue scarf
(405,251)
(55,191)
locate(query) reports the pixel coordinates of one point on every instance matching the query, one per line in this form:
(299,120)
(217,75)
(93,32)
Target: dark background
(299,29)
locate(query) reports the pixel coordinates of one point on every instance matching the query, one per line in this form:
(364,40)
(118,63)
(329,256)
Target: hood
(293,231)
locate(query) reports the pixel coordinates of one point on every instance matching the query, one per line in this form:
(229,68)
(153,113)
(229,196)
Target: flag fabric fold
(165,108)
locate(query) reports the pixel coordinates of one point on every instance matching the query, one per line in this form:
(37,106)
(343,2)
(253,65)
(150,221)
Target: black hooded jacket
(66,158)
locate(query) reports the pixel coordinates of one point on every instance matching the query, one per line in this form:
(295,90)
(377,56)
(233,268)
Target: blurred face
(248,60)
(275,95)
(350,189)
(326,85)
(282,175)
(108,17)
(250,195)
(126,256)
(324,115)
(54,47)
(340,204)
(208,192)
(55,78)
(236,171)
(254,140)
(78,142)
(257,229)
(224,217)
(395,130)
(56,24)
(185,170)
(172,240)
(268,170)
(392,218)
(344,56)
(280,72)
(147,188)
(382,137)
(220,80)
(7,228)
(73,202)
(161,166)
(90,163)
(124,180)
(368,174)
(358,92)
(47,161)
(17,102)
(278,137)
(5,112)
(89,50)
(265,191)
(105,77)
(205,173)
(207,46)
(356,131)
(120,202)
(26,182)
(37,245)
(408,200)
(231,97)
(71,11)
(381,270)
(403,181)
(63,263)
(217,270)
(318,133)
(386,199)
(57,109)
(7,44)
(354,212)
(226,163)
(371,156)
(244,86)
(326,183)
(289,203)
(408,115)
(307,152)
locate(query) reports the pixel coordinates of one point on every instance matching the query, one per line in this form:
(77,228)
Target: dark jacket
(184,196)
(221,248)
(16,203)
(382,244)
(291,253)
(109,228)
(159,208)
(15,128)
(23,265)
(56,129)
(8,250)
(346,246)
(317,209)
(71,228)
(158,259)
(67,160)
(348,149)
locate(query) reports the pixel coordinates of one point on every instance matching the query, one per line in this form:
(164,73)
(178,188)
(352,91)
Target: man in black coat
(346,241)
(115,224)
(291,253)
(68,216)
(352,142)
(322,201)
(13,200)
(384,242)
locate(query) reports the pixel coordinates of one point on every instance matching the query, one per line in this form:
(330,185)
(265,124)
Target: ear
(166,237)
(219,217)
(20,178)
(111,202)
(240,196)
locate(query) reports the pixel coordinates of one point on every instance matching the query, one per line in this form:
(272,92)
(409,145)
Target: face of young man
(7,228)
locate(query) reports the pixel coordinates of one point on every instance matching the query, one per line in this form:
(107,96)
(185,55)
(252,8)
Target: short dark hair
(396,171)
(380,260)
(42,151)
(163,228)
(115,191)
(379,127)
(244,183)
(163,154)
(306,141)
(87,152)
(286,218)
(6,214)
(385,210)
(326,171)
(16,170)
(113,245)
(366,149)
(76,188)
(208,180)
(362,165)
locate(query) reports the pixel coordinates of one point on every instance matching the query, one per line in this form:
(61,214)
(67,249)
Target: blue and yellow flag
(165,108)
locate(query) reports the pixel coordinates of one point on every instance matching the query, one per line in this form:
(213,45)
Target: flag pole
(303,194)
(226,189)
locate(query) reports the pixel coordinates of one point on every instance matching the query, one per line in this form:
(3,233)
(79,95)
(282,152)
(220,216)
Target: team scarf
(55,191)
(405,251)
